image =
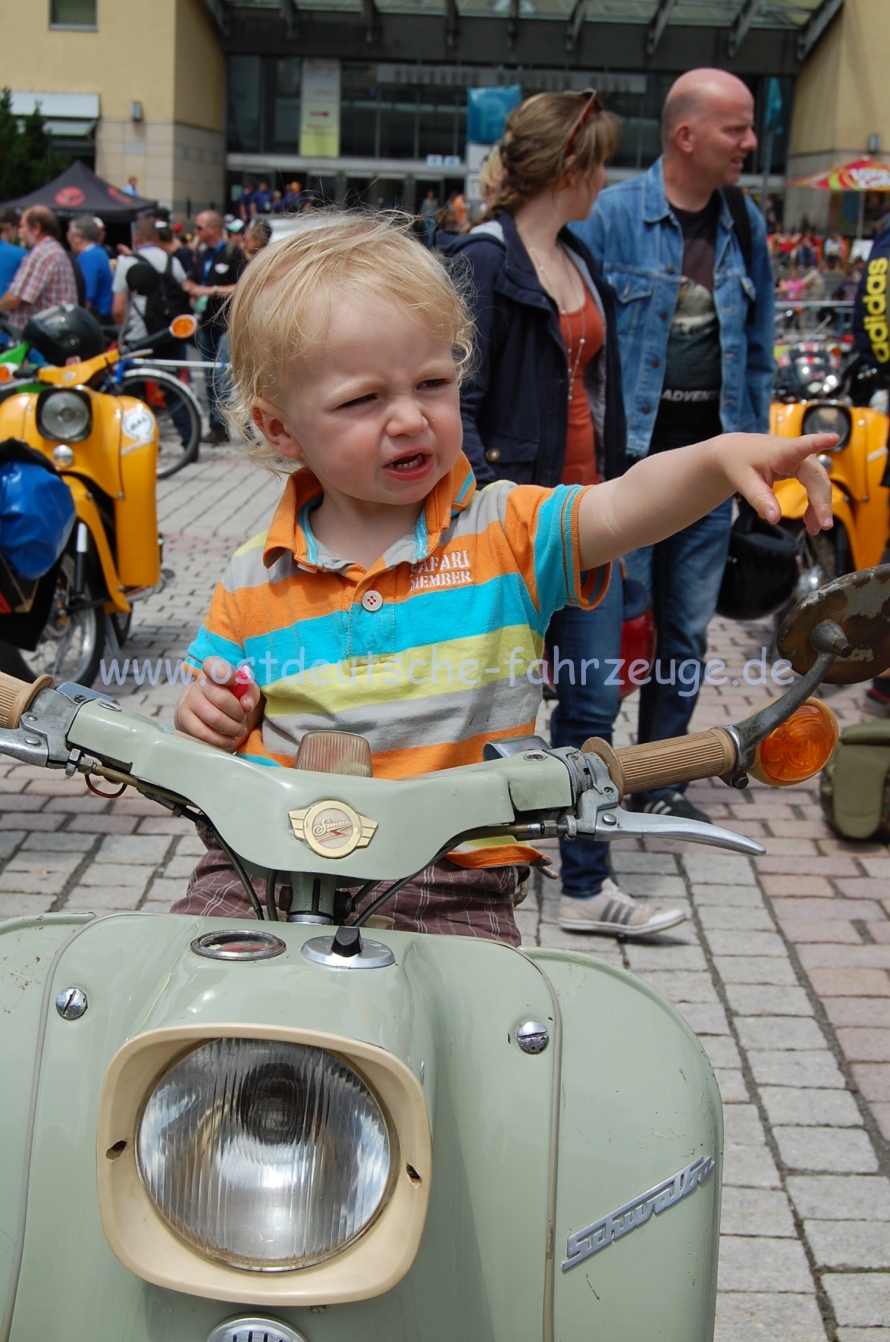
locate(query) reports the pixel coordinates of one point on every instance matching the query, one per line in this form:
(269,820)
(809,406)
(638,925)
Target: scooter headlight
(828,419)
(264,1155)
(64,416)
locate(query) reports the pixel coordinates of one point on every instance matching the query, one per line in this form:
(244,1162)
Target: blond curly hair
(282,304)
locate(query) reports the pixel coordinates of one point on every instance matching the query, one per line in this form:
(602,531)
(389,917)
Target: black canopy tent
(79,191)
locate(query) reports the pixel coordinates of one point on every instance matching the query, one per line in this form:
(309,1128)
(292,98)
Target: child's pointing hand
(753,462)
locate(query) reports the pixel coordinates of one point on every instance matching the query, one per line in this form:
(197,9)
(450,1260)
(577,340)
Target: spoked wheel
(72,643)
(174,406)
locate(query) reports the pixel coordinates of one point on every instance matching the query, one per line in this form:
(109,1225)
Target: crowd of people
(37,272)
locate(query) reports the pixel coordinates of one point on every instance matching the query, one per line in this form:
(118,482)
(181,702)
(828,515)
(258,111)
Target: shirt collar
(291,529)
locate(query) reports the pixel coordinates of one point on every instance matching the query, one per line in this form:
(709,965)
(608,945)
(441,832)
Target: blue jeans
(683,576)
(209,339)
(584,710)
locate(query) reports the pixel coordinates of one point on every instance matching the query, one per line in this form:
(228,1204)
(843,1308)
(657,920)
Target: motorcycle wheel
(71,646)
(177,412)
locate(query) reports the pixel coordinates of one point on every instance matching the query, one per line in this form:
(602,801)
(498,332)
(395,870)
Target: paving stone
(831,909)
(133,848)
(805,931)
(749,1316)
(881,1113)
(865,1045)
(760,969)
(834,1197)
(863,1334)
(170,891)
(873,1079)
(678,985)
(791,885)
(716,917)
(165,824)
(755,1211)
(844,957)
(721,1050)
(718,869)
(773,1032)
(860,1299)
(849,1244)
(748,1166)
(59,843)
(642,957)
(727,896)
(750,1263)
(100,897)
(663,863)
(39,821)
(10,840)
(750,999)
(869,1011)
(705,1018)
(784,1067)
(850,982)
(731,1083)
(741,1124)
(103,824)
(811,1108)
(746,943)
(19,906)
(834,1150)
(32,883)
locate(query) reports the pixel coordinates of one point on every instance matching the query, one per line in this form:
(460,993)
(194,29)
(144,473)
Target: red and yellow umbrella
(863,174)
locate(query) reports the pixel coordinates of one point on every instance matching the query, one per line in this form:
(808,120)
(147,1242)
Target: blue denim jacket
(638,243)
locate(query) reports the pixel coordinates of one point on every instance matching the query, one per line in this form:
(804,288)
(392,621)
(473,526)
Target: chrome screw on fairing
(71,1003)
(533,1036)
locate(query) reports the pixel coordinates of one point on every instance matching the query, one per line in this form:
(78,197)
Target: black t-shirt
(220,265)
(689,410)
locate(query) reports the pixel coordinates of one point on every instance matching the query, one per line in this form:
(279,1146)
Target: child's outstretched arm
(669,491)
(209,710)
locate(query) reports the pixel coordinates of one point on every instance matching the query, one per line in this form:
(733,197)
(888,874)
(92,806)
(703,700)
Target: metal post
(767,165)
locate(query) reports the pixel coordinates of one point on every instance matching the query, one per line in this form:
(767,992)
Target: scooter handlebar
(680,759)
(16,696)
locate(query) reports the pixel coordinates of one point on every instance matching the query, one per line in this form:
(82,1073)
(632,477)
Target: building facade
(368,99)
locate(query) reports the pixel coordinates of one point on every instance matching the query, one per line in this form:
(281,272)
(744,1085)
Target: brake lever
(613,822)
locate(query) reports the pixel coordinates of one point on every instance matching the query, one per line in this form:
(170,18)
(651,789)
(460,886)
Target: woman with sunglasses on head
(544,407)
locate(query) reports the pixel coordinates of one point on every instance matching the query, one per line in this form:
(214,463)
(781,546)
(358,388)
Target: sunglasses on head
(594,104)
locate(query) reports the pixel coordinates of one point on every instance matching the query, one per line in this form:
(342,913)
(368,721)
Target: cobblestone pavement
(781,969)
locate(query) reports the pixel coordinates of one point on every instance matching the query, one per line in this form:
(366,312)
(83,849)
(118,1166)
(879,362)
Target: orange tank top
(585,325)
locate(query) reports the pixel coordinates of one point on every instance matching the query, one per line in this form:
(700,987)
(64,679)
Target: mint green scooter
(289,1130)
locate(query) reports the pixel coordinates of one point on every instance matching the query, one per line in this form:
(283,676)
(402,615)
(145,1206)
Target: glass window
(243,103)
(286,112)
(72,13)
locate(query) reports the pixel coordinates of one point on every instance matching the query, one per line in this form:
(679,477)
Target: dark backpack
(164,296)
(735,203)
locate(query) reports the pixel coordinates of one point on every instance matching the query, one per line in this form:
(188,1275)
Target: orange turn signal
(7,372)
(799,748)
(183,327)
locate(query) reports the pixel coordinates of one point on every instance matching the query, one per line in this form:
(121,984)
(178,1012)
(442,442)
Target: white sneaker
(615,914)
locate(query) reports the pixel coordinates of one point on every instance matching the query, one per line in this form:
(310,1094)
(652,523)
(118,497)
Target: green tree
(26,159)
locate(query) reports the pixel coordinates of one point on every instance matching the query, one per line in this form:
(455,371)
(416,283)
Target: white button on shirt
(372,601)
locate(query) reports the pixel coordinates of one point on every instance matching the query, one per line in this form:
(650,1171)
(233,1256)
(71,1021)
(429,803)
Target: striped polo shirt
(432,651)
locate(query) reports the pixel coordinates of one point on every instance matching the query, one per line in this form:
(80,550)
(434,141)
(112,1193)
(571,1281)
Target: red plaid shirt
(44,279)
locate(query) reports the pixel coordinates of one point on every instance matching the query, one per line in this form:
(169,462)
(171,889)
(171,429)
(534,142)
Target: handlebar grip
(680,759)
(17,695)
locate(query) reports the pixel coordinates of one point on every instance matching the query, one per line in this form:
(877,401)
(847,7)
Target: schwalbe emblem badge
(332,828)
(585,1243)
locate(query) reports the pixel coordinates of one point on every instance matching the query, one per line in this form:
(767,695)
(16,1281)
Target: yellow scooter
(105,448)
(858,468)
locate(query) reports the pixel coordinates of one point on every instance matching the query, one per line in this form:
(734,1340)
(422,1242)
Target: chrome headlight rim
(813,411)
(228,1259)
(71,395)
(375,1263)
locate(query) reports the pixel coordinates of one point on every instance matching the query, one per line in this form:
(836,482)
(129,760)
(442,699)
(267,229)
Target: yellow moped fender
(135,508)
(88,513)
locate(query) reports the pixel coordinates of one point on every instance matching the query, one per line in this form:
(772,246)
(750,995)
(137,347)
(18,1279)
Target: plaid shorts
(444,899)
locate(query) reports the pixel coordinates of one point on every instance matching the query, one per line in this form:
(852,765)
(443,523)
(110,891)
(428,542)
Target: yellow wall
(164,55)
(841,97)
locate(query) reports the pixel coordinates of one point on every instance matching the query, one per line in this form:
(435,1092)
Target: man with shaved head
(686,254)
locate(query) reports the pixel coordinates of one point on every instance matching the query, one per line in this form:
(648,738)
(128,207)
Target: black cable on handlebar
(242,874)
(270,897)
(397,886)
